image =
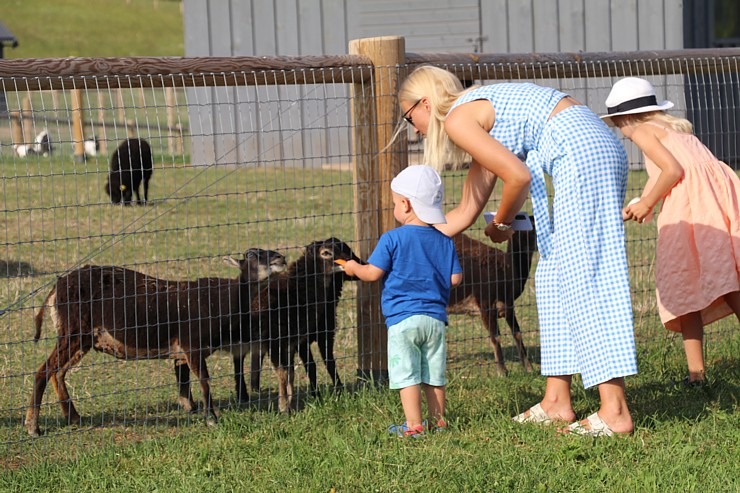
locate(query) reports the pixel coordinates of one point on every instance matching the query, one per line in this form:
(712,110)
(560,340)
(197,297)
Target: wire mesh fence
(278,156)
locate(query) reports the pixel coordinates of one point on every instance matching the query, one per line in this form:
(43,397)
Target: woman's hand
(496,235)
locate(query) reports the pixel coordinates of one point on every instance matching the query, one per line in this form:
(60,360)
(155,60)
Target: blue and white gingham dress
(582,281)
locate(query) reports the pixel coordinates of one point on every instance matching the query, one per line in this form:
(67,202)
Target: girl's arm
(367,272)
(647,138)
(468,126)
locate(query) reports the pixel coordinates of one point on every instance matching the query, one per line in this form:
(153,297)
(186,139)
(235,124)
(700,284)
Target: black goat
(299,306)
(492,281)
(321,329)
(130,315)
(130,164)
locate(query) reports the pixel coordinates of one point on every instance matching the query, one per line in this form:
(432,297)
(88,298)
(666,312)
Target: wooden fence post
(375,114)
(16,128)
(78,125)
(27,121)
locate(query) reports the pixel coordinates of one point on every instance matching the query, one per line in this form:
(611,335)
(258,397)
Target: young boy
(418,265)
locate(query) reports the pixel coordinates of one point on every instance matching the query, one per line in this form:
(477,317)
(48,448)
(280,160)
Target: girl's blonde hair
(442,89)
(676,123)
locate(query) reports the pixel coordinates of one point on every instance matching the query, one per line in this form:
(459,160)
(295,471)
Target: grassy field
(97,28)
(57,216)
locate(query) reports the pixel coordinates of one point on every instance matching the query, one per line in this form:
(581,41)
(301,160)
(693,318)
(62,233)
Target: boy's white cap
(632,95)
(423,186)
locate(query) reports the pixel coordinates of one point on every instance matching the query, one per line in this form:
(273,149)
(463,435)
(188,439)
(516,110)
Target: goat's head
(324,253)
(526,240)
(258,264)
(116,190)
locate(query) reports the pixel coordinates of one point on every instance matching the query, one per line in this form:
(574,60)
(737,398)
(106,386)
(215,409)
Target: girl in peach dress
(697,276)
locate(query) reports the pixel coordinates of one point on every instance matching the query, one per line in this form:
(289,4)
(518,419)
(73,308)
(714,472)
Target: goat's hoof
(34,430)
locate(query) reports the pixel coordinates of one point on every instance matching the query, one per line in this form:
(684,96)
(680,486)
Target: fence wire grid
(263,164)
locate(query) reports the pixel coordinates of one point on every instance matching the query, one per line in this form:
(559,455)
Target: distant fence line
(66,73)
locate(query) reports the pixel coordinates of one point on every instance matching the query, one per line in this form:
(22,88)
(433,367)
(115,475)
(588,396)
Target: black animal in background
(130,164)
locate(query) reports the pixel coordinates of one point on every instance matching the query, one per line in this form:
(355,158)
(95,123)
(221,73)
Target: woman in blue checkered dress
(520,132)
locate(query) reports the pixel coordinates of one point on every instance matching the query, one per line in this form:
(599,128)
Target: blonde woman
(520,132)
(697,268)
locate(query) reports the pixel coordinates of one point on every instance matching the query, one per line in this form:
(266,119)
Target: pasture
(134,437)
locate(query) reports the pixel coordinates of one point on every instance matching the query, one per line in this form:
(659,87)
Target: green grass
(685,440)
(94,28)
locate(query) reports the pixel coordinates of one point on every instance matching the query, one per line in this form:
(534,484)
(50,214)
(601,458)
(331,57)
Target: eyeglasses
(407,115)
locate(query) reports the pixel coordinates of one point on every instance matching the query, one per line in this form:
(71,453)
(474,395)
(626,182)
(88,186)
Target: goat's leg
(517,333)
(309,364)
(146,190)
(490,320)
(185,396)
(46,371)
(60,387)
(242,395)
(197,363)
(258,354)
(282,360)
(325,342)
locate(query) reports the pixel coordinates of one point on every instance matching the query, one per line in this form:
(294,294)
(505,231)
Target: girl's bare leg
(692,332)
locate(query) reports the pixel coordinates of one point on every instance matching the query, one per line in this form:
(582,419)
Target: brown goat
(492,281)
(130,315)
(294,303)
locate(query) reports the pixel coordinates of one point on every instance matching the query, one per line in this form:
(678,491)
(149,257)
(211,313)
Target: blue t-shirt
(418,262)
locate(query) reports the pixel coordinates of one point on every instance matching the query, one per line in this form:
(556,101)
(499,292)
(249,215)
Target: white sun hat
(423,186)
(632,95)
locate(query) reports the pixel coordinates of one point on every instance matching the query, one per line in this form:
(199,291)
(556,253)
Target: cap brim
(665,105)
(428,214)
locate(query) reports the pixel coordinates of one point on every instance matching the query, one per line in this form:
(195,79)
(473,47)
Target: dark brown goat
(321,329)
(130,315)
(295,303)
(492,281)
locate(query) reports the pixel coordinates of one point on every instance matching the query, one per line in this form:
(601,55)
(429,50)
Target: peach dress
(698,250)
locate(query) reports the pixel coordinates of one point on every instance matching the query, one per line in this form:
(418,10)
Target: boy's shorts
(417,352)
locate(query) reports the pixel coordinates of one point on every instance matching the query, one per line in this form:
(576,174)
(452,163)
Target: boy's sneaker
(440,426)
(403,430)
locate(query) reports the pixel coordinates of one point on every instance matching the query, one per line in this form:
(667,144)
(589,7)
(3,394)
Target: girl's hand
(496,235)
(637,210)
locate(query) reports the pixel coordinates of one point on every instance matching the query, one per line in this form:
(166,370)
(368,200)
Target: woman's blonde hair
(676,123)
(441,88)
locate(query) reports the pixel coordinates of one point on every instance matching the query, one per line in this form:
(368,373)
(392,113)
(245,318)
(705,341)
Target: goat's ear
(232,262)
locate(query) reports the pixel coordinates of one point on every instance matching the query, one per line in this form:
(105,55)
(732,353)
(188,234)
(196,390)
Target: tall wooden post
(78,125)
(27,121)
(375,114)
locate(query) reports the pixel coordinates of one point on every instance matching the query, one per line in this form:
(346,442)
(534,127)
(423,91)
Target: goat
(130,164)
(91,146)
(130,315)
(493,280)
(321,327)
(42,144)
(294,308)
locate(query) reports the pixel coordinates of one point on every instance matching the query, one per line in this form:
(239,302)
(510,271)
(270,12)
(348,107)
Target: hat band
(633,103)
